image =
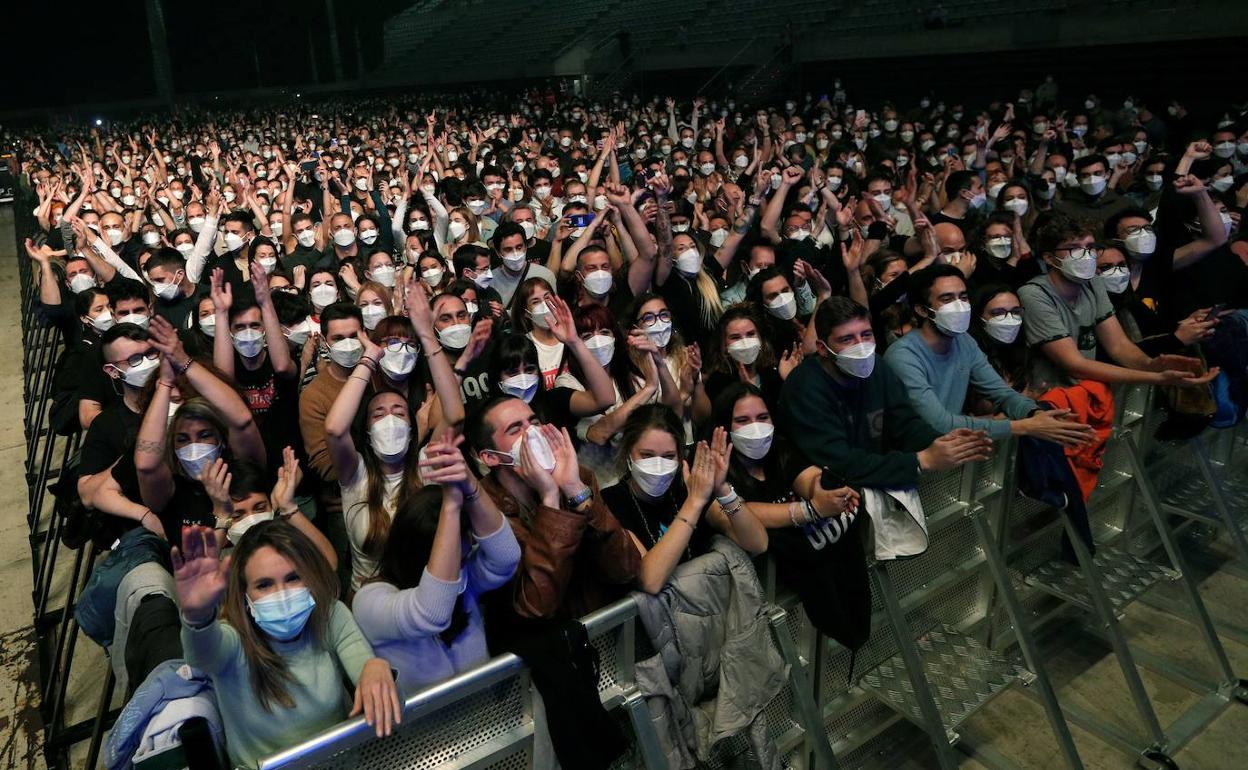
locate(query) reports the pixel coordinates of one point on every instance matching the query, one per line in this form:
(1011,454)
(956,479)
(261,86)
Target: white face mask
(1116,279)
(718,236)
(602,346)
(660,332)
(389,438)
(953,317)
(483,278)
(599,282)
(139,319)
(1223,183)
(372,315)
(653,475)
(233,241)
(81,282)
(267,264)
(185,249)
(103,322)
(240,527)
(368,236)
(1000,247)
(344,237)
(398,364)
(754,440)
(151,238)
(323,294)
(529,229)
(195,457)
(689,261)
(1093,185)
(745,350)
(299,333)
(384,275)
(857,360)
(456,229)
(784,306)
(307,238)
(1224,149)
(346,353)
(522,386)
(115,236)
(540,315)
(1004,329)
(248,342)
(455,336)
(1017,205)
(1047,192)
(1079,266)
(1141,243)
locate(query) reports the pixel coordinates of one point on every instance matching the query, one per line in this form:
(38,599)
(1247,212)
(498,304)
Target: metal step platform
(1125,578)
(962,673)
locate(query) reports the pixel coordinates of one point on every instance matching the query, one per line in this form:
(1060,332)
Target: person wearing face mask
(241,499)
(938,363)
(472,264)
(554,508)
(966,195)
(812,531)
(1068,317)
(280,597)
(377,478)
(240,232)
(1002,254)
(344,242)
(997,327)
(422,612)
(172,455)
(175,294)
(1092,200)
(511,245)
(671,516)
(1140,320)
(95,317)
(250,349)
(742,354)
(131,304)
(341,325)
(858,423)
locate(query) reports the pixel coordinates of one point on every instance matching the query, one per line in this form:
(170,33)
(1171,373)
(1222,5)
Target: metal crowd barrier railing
(952,628)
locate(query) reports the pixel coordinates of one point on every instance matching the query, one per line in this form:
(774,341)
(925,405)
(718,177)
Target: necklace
(645,521)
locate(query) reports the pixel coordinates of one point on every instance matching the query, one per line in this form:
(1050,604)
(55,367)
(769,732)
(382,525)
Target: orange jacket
(1093,402)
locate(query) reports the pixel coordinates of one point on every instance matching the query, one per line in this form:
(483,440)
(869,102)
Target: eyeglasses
(396,344)
(1107,267)
(1080,251)
(1006,312)
(137,358)
(1139,229)
(650,319)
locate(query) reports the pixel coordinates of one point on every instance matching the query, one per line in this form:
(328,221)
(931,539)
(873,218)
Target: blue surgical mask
(283,614)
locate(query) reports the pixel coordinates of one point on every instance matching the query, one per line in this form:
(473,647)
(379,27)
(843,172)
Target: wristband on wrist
(580,497)
(729,498)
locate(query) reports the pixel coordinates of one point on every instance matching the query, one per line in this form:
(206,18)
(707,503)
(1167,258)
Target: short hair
(339,311)
(241,305)
(1056,228)
(167,258)
(466,256)
(476,425)
(291,308)
(127,331)
(120,291)
(1111,224)
(835,311)
(247,478)
(1091,160)
(959,181)
(921,282)
(504,231)
(244,218)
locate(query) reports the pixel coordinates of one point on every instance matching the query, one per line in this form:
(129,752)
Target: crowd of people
(393,384)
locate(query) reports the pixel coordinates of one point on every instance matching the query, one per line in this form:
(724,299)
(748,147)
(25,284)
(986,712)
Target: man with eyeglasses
(1068,317)
(938,362)
(130,359)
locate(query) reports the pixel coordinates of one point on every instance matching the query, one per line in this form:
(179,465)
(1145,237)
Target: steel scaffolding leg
(803,692)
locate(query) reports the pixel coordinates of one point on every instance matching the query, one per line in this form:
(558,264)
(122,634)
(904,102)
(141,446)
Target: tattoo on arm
(149,447)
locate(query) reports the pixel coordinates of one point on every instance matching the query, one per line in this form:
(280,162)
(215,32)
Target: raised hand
(216,478)
(788,362)
(444,463)
(560,319)
(199,574)
(220,292)
(288,478)
(165,339)
(701,475)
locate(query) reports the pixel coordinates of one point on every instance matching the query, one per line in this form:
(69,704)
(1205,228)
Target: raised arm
(275,341)
(342,413)
(445,383)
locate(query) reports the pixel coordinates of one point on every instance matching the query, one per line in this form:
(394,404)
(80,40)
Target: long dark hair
(778,457)
(378,521)
(407,549)
(717,357)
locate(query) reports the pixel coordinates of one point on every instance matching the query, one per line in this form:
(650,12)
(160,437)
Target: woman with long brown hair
(279,646)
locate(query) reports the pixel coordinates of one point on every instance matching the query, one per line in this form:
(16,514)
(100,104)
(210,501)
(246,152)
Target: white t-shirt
(549,357)
(355,513)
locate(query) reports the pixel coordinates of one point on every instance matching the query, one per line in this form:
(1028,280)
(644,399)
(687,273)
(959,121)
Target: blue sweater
(937,385)
(404,625)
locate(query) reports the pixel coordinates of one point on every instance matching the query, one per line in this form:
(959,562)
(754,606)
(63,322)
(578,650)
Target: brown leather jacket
(571,563)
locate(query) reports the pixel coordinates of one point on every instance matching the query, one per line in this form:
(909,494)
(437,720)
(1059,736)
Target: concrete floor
(1012,727)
